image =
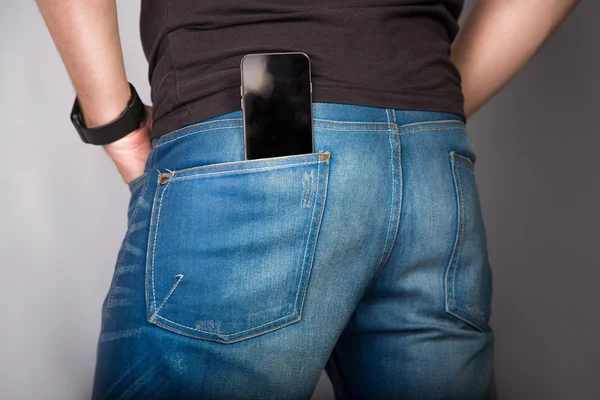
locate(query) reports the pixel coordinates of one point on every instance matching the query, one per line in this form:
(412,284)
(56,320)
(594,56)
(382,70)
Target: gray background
(65,215)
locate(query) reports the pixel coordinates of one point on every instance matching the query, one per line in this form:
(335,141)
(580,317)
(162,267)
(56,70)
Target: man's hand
(131,152)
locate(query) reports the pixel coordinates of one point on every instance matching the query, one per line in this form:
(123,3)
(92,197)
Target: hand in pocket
(131,152)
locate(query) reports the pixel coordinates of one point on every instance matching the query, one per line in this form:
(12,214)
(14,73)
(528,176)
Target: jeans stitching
(238,171)
(150,253)
(380,269)
(188,131)
(353,130)
(202,127)
(473,311)
(230,334)
(427,130)
(267,323)
(454,247)
(162,194)
(470,165)
(392,196)
(317,224)
(357,123)
(237,339)
(398,161)
(308,243)
(461,230)
(199,125)
(463,225)
(464,157)
(153,318)
(468,169)
(167,297)
(457,248)
(126,241)
(420,124)
(205,126)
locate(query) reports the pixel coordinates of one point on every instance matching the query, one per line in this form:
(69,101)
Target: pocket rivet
(163,179)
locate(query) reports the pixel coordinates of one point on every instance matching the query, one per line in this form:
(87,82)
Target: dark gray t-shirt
(382,53)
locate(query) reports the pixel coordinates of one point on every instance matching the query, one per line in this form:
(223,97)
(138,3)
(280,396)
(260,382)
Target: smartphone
(276,100)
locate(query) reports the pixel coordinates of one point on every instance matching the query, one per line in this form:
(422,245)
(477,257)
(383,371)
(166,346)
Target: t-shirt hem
(228,100)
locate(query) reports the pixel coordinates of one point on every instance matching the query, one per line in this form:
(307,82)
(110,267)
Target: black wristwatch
(129,120)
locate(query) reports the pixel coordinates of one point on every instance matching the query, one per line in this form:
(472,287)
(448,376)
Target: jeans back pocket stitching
(160,202)
(180,276)
(457,248)
(461,230)
(238,171)
(315,234)
(302,282)
(320,192)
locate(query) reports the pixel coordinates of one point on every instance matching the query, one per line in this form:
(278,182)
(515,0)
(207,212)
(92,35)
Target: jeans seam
(160,201)
(237,339)
(450,293)
(205,126)
(229,334)
(237,171)
(381,267)
(386,129)
(317,227)
(420,126)
(125,242)
(350,123)
(385,243)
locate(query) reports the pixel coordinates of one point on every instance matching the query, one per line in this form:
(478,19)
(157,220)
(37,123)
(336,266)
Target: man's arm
(86,35)
(498,38)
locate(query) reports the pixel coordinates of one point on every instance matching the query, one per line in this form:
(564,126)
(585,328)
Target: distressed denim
(245,279)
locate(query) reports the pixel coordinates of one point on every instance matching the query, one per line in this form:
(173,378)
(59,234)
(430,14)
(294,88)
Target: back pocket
(232,244)
(468,275)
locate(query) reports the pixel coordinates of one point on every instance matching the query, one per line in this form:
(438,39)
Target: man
(383,352)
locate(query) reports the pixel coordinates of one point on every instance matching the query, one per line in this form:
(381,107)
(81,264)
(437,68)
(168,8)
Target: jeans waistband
(338,112)
(358,113)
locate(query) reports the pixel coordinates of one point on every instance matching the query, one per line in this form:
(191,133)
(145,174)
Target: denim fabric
(244,279)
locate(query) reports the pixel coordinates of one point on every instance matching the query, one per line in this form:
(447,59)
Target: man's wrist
(138,137)
(104,108)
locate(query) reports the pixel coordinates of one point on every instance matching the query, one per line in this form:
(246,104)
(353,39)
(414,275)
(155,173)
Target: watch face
(76,120)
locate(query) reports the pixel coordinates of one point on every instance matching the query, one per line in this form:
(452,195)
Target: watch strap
(129,120)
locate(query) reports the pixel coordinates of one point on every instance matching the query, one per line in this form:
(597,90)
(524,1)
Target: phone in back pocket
(276,95)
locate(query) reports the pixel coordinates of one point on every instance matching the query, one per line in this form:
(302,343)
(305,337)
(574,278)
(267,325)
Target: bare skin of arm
(86,35)
(496,41)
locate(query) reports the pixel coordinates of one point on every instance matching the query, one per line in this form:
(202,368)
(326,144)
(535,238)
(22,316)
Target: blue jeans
(244,279)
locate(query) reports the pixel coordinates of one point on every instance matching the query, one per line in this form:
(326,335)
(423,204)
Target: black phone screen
(276,103)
